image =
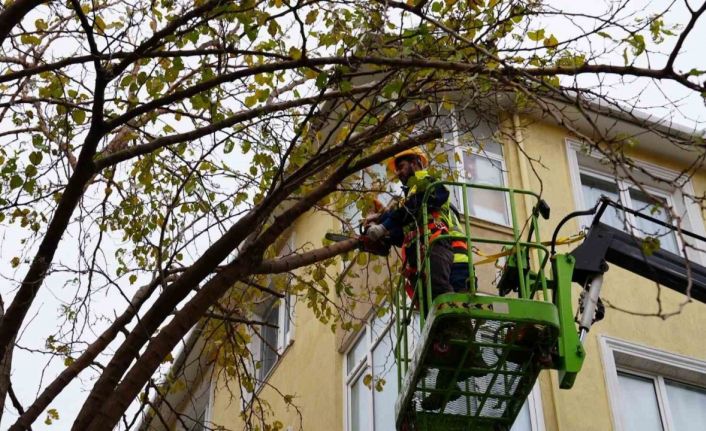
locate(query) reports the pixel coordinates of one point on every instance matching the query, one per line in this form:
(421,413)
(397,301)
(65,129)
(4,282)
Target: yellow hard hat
(410,152)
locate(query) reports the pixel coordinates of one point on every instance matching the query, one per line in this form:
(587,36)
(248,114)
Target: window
(372,355)
(195,414)
(485,166)
(276,336)
(480,160)
(653,390)
(656,205)
(278,332)
(591,179)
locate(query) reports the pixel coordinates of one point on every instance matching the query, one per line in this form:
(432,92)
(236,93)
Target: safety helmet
(406,153)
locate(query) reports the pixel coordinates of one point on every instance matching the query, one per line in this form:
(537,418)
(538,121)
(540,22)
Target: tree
(171,144)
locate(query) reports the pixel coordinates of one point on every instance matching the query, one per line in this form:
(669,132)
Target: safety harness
(440,221)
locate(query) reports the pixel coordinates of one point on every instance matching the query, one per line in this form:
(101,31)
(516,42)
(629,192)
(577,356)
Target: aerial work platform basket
(472,360)
(484,369)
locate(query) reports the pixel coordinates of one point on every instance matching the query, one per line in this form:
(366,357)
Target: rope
(489,258)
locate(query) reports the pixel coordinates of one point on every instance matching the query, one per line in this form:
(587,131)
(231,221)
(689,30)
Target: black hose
(567,218)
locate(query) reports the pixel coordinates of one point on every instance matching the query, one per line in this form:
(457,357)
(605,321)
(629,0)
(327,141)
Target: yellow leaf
(272,28)
(311,16)
(368,380)
(295,53)
(40,24)
(250,101)
(100,24)
(551,42)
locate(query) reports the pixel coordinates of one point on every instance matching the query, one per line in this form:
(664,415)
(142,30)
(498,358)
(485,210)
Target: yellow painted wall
(311,368)
(586,406)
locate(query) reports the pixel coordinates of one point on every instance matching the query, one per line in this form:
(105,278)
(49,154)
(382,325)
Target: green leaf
(133,278)
(52,415)
(30,171)
(368,380)
(246,146)
(604,35)
(15,262)
(127,79)
(321,80)
(536,35)
(295,53)
(41,25)
(551,42)
(29,39)
(638,44)
(78,115)
(35,157)
(228,146)
(650,245)
(250,101)
(16,181)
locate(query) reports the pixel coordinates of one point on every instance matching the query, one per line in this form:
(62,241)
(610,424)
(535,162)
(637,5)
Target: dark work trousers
(446,276)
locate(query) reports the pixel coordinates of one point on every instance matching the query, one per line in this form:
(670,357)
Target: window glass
(646,204)
(359,405)
(384,368)
(488,205)
(593,188)
(640,410)
(687,405)
(357,352)
(268,352)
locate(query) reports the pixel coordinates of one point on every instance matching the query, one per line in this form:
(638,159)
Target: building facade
(642,371)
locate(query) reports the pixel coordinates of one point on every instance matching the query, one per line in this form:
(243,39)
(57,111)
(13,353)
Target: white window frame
(365,363)
(631,358)
(205,386)
(692,219)
(285,312)
(624,188)
(458,154)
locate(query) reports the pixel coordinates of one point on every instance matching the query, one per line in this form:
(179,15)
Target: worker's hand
(376,232)
(371,219)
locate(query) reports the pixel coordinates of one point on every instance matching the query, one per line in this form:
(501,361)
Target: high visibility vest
(440,221)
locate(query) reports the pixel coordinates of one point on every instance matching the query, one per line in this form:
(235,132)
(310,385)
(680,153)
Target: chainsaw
(379,248)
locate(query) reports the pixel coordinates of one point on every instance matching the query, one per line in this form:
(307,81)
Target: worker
(402,226)
(448,257)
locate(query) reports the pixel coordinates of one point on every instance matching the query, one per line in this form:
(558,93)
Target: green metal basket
(476,361)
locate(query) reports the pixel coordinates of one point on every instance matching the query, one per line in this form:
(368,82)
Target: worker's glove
(376,232)
(372,219)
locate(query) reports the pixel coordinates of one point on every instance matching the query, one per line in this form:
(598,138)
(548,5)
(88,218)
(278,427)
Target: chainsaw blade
(337,237)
